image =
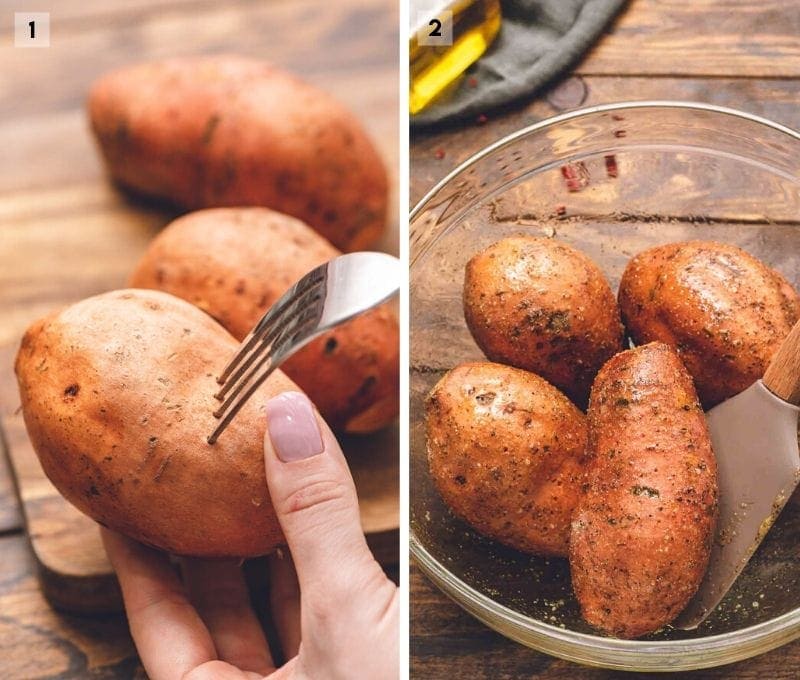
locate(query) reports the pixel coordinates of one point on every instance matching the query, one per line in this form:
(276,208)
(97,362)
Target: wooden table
(62,223)
(739,53)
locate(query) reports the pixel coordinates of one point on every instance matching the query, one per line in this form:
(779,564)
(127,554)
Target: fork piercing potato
(234,263)
(724,311)
(541,305)
(643,529)
(506,451)
(224,130)
(117,395)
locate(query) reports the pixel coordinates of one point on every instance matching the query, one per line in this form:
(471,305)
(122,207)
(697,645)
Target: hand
(337,616)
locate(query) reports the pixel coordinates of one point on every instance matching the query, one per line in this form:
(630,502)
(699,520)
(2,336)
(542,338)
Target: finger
(315,501)
(219,670)
(219,593)
(169,634)
(284,597)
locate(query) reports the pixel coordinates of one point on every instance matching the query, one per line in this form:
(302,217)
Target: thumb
(315,499)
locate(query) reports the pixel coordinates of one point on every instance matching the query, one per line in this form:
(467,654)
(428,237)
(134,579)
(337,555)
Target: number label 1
(31,29)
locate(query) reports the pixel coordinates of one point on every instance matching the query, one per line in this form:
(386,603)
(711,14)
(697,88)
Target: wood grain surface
(66,233)
(745,38)
(743,54)
(38,642)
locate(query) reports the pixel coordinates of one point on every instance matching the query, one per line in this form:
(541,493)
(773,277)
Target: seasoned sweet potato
(117,394)
(642,531)
(541,305)
(227,130)
(234,263)
(506,451)
(724,311)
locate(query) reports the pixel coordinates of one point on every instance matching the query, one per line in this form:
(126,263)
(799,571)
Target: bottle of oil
(435,67)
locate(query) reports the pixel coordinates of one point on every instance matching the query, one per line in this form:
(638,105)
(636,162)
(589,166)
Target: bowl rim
(632,655)
(590,110)
(608,652)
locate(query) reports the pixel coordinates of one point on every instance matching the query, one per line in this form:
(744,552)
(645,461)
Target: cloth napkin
(538,41)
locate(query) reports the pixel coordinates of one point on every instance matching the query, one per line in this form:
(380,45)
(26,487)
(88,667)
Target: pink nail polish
(293,427)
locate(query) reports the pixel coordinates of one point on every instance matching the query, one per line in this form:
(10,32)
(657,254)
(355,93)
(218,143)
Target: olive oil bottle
(434,65)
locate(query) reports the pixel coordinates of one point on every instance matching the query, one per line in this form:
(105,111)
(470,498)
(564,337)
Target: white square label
(436,31)
(31,29)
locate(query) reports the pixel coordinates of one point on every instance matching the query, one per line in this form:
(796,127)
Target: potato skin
(643,529)
(506,451)
(234,263)
(723,310)
(117,396)
(226,130)
(541,305)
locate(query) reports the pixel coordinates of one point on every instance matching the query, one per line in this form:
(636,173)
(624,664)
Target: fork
(326,297)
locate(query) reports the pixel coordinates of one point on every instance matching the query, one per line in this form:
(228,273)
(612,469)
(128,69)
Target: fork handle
(782,377)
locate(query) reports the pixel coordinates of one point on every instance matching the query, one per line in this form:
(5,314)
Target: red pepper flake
(561,210)
(611,165)
(620,133)
(439,153)
(576,176)
(482,119)
(617,117)
(472,81)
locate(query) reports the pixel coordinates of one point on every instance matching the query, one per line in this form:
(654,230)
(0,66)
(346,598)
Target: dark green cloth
(538,41)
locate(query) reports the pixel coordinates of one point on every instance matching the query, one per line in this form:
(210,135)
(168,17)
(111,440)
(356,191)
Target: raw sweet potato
(117,394)
(541,305)
(227,130)
(234,263)
(724,311)
(506,451)
(642,531)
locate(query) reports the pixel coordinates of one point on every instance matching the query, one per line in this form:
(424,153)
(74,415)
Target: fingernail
(293,427)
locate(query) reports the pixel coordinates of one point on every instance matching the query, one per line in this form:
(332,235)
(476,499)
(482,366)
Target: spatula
(754,435)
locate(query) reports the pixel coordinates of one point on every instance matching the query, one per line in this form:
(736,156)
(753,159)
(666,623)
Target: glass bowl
(612,181)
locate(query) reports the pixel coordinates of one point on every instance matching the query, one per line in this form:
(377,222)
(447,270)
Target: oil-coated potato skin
(226,131)
(541,305)
(724,311)
(506,451)
(117,396)
(234,263)
(643,528)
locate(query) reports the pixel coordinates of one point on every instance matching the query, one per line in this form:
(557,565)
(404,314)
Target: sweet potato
(506,451)
(724,311)
(235,263)
(227,130)
(642,532)
(117,395)
(541,305)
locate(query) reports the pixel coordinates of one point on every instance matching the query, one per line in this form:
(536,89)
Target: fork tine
(310,282)
(327,296)
(264,337)
(239,385)
(283,329)
(264,367)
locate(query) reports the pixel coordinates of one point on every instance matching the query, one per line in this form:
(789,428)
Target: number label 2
(436,30)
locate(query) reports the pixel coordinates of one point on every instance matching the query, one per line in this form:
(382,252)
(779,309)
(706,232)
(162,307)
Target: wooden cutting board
(73,570)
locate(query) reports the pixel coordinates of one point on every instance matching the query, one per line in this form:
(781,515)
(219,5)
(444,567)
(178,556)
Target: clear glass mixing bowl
(612,181)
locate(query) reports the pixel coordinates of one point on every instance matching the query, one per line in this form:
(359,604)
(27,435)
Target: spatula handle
(783,373)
